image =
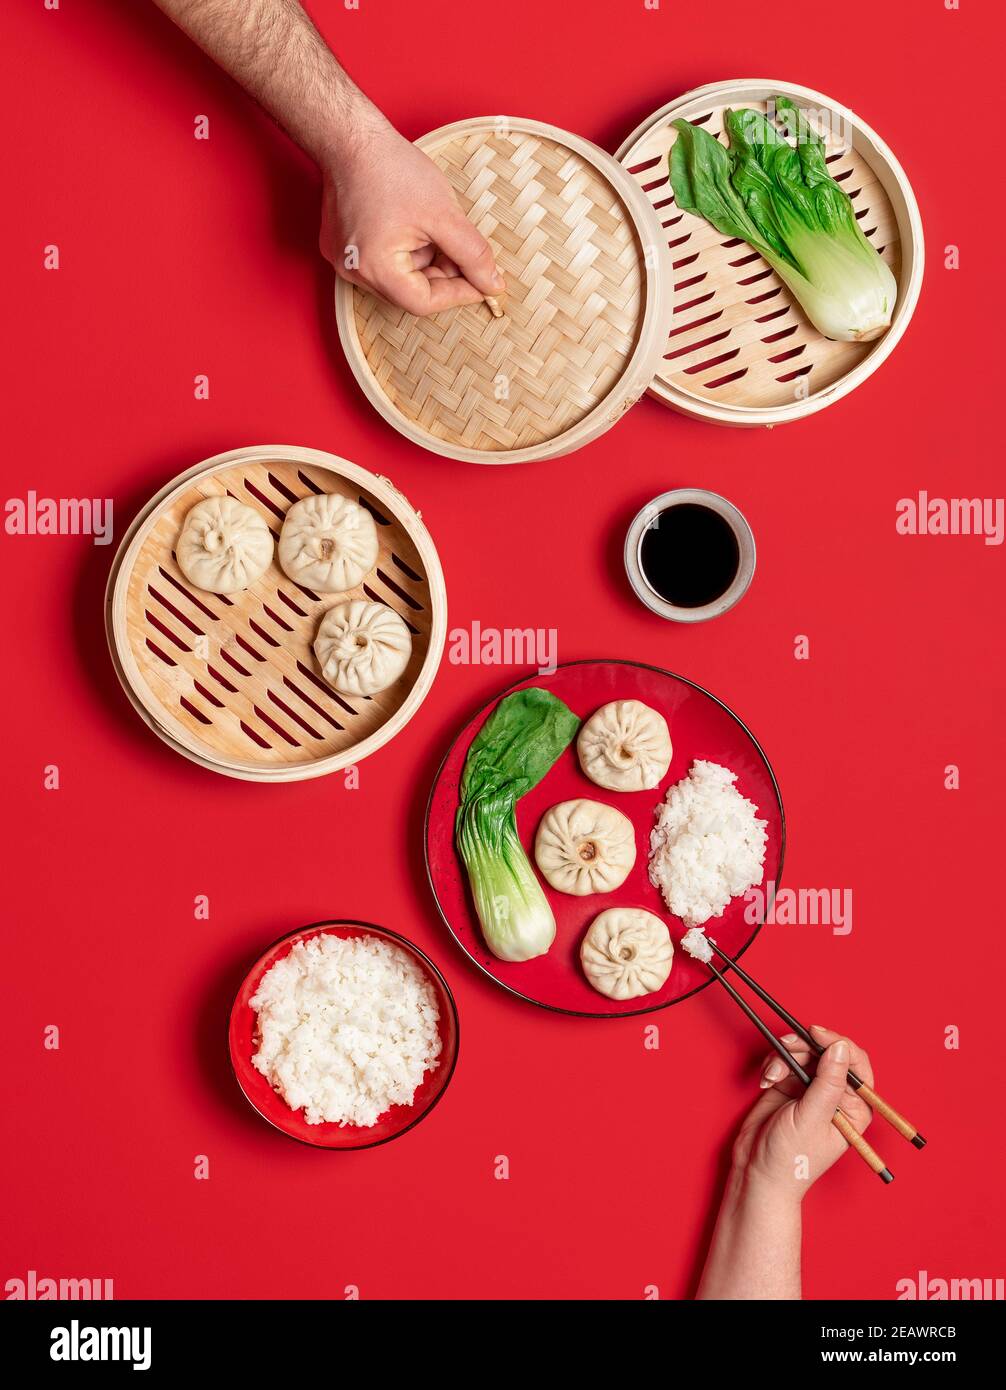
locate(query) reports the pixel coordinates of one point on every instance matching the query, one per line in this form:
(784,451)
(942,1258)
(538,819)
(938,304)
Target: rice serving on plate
(707,846)
(347,1027)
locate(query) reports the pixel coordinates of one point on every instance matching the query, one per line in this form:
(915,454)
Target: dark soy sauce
(689,555)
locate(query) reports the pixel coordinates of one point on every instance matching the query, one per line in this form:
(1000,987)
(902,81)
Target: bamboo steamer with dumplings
(740,350)
(231,681)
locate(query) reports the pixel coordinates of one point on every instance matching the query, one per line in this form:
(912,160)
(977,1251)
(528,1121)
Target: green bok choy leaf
(780,198)
(517,745)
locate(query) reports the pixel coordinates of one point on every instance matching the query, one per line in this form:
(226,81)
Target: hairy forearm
(390,221)
(274,51)
(755,1250)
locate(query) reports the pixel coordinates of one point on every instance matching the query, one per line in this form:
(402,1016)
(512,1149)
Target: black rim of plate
(377,930)
(562,666)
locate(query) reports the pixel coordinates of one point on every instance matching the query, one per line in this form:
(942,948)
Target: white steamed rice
(346,1028)
(696,944)
(707,846)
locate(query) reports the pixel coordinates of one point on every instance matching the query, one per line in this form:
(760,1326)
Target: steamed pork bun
(328,543)
(625,746)
(627,952)
(585,847)
(224,545)
(362,647)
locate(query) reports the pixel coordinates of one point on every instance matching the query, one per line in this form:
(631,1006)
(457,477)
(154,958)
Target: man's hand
(390,222)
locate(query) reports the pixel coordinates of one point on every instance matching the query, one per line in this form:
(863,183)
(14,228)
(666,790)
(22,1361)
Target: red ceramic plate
(272,1107)
(701,727)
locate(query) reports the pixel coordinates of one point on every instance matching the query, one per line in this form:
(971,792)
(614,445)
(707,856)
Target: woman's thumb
(825,1092)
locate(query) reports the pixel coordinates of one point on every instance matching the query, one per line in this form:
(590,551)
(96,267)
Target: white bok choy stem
(512,752)
(780,198)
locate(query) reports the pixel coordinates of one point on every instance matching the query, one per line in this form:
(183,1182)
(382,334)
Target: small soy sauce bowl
(689,555)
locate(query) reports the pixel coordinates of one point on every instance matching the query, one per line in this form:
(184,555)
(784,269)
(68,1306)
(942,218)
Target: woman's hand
(785,1143)
(391,223)
(788,1140)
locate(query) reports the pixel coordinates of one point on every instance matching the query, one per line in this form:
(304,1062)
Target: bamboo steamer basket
(739,349)
(231,681)
(588,297)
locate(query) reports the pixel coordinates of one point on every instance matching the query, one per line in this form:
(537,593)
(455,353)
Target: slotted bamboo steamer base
(739,349)
(231,681)
(588,295)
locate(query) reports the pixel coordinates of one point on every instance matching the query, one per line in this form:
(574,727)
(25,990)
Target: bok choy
(780,198)
(517,745)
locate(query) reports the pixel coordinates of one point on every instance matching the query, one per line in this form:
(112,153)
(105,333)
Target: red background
(181,257)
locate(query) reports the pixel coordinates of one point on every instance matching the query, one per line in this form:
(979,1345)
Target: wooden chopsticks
(875,1102)
(841,1121)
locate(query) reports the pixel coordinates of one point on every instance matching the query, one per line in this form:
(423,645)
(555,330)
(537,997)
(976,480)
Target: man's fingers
(423,281)
(433,262)
(419,294)
(449,291)
(456,266)
(859,1062)
(827,1090)
(462,241)
(442,266)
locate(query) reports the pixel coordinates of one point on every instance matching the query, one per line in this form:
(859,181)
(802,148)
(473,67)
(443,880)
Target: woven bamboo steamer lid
(231,681)
(588,296)
(740,350)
